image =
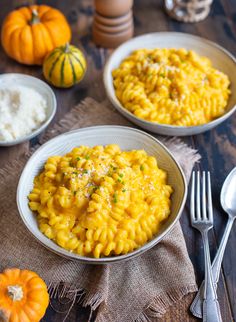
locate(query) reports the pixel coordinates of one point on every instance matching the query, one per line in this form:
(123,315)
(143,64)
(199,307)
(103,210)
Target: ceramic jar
(188,11)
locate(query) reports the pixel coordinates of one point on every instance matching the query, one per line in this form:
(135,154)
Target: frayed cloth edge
(159,305)
(74,295)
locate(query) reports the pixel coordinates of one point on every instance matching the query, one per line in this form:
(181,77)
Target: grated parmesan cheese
(22,110)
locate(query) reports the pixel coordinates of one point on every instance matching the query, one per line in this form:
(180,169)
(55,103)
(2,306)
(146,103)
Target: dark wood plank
(218,150)
(80,15)
(219,32)
(220,157)
(193,239)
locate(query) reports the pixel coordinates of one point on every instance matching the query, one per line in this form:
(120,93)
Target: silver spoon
(228,203)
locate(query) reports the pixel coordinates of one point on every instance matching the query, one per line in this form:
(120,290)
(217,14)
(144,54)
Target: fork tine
(204,213)
(192,202)
(209,198)
(198,197)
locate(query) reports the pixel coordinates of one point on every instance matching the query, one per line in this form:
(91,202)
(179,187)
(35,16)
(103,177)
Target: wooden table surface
(217,147)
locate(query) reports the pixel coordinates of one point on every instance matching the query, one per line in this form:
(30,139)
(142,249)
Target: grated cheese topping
(22,110)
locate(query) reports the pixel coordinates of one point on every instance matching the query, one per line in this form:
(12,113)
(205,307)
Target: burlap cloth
(140,289)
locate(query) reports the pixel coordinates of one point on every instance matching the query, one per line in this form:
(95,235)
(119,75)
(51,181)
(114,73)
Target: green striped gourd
(64,66)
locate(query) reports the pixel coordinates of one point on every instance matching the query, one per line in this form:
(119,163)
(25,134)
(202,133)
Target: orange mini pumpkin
(23,296)
(30,33)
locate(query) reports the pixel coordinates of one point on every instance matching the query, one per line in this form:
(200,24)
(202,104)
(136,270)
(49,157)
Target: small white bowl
(42,88)
(128,139)
(221,59)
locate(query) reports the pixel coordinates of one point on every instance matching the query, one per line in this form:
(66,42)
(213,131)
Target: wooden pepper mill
(113,22)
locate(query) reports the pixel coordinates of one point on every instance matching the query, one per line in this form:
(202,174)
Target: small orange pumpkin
(23,296)
(30,33)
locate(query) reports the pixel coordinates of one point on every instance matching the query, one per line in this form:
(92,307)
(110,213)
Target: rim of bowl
(45,124)
(112,259)
(114,100)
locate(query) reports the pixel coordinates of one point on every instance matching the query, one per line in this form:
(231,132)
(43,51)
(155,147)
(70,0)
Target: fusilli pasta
(171,86)
(101,201)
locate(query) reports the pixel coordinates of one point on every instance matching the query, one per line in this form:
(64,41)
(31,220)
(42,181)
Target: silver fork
(202,219)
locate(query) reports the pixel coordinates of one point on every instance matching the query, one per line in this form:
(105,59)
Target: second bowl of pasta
(172,83)
(103,200)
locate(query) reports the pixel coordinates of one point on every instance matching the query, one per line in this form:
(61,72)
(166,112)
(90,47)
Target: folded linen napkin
(140,289)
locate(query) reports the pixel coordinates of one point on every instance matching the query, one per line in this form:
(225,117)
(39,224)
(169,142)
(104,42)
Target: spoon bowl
(228,194)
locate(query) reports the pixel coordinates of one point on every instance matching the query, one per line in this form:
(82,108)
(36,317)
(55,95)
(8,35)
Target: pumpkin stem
(3,316)
(35,17)
(67,47)
(15,292)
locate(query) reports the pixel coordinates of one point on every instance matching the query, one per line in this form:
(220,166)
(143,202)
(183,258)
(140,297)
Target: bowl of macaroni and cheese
(172,83)
(101,194)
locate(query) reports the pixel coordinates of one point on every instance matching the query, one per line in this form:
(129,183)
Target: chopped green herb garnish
(119,180)
(162,75)
(123,190)
(121,175)
(115,198)
(87,157)
(109,174)
(75,172)
(78,159)
(141,167)
(85,171)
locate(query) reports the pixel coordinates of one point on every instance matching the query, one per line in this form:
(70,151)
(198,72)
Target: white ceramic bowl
(220,58)
(128,139)
(42,88)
